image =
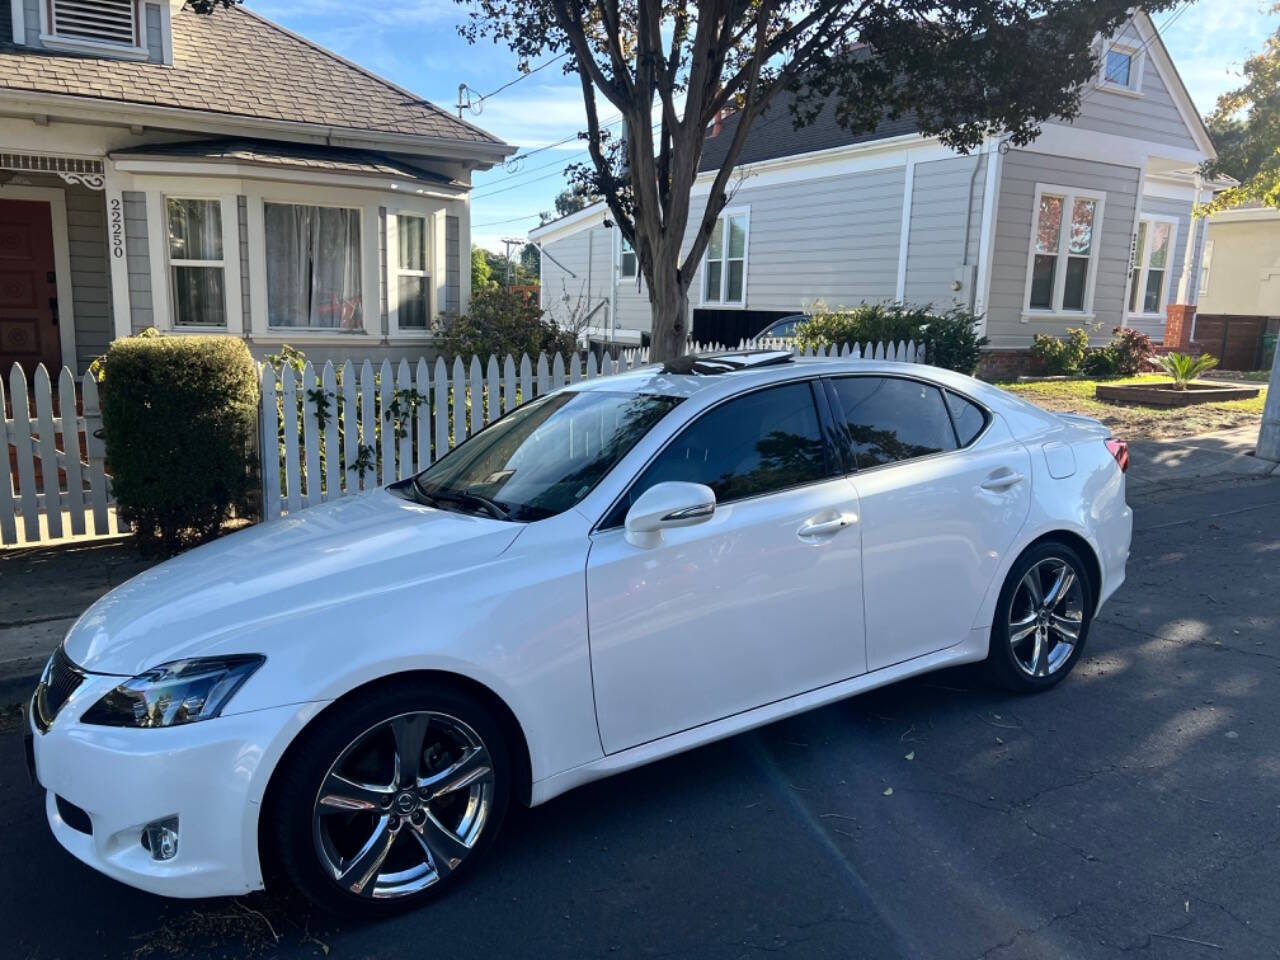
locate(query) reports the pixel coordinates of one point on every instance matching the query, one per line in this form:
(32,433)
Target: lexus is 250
(350,698)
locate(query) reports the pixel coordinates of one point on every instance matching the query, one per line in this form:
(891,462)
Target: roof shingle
(236,63)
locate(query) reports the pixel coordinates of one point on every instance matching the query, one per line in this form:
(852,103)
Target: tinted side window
(765,441)
(890,419)
(968,417)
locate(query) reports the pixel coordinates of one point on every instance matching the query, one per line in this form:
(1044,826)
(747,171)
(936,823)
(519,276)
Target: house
(218,174)
(1239,309)
(1090,225)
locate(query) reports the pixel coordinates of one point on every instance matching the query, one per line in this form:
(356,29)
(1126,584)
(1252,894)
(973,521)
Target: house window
(627,261)
(313,267)
(413,277)
(97,21)
(1064,251)
(1152,251)
(197,271)
(725,269)
(1122,68)
(1205,261)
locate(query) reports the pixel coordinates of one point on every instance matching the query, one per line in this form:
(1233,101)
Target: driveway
(1134,810)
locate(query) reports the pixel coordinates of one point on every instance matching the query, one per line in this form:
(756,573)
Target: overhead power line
(476,106)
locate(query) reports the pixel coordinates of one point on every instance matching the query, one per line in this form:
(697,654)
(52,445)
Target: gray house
(1089,226)
(218,175)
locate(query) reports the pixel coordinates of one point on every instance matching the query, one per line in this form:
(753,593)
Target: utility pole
(508,241)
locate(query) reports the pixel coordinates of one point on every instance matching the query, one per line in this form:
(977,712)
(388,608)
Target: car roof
(708,386)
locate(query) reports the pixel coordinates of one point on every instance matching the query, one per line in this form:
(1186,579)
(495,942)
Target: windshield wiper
(466,498)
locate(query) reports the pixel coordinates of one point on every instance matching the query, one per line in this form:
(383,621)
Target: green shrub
(178,416)
(950,338)
(1101,363)
(1061,356)
(1134,352)
(501,322)
(1184,368)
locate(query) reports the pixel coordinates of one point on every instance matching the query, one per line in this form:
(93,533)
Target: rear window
(969,418)
(891,419)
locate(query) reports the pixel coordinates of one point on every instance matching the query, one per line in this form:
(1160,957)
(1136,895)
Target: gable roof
(236,63)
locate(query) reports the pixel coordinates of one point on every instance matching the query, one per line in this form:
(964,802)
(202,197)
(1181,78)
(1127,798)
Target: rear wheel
(389,799)
(1042,619)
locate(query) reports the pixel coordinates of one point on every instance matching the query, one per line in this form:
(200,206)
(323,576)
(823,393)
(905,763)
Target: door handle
(1001,481)
(813,529)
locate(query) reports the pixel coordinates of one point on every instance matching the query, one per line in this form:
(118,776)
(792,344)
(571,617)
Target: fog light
(161,838)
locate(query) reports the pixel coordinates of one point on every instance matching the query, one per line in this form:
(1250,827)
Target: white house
(1088,226)
(218,174)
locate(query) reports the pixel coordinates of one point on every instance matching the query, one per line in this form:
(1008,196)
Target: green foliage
(1128,354)
(574,197)
(498,323)
(1101,364)
(951,338)
(178,417)
(1061,355)
(1184,368)
(481,275)
(1246,131)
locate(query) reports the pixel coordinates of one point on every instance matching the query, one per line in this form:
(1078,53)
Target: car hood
(347,551)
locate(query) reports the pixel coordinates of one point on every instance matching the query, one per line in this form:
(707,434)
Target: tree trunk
(669,305)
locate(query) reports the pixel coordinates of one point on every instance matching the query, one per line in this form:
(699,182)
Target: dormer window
(101,21)
(109,28)
(1122,70)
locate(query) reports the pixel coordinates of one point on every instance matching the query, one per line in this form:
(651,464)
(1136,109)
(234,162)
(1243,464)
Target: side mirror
(670,504)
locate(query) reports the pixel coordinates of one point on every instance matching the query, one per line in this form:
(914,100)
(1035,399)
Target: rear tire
(1042,619)
(388,798)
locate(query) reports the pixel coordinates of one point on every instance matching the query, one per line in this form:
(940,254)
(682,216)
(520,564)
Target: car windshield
(544,457)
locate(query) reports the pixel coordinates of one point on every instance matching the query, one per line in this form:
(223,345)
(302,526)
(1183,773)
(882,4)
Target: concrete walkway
(44,589)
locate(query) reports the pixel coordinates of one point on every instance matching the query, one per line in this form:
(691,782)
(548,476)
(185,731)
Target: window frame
(370,318)
(1069,197)
(1137,61)
(704,274)
(433,235)
(845,450)
(625,250)
(171,263)
(136,50)
(822,411)
(1141,285)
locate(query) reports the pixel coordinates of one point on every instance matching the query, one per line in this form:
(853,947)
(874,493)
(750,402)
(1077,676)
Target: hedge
(178,415)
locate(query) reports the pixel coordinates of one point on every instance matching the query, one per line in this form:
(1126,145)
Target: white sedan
(348,700)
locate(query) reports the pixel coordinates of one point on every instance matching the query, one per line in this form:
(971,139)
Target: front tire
(388,798)
(1042,619)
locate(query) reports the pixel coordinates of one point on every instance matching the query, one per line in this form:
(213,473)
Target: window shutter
(104,21)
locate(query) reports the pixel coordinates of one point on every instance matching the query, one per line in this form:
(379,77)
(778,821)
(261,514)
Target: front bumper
(211,775)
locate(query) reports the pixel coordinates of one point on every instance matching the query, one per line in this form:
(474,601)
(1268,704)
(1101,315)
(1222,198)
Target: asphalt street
(1134,810)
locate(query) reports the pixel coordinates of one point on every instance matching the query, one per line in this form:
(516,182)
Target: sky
(415,44)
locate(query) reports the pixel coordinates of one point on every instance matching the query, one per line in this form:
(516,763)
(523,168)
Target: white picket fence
(349,429)
(54,477)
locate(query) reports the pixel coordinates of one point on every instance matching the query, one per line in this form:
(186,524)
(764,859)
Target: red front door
(28,290)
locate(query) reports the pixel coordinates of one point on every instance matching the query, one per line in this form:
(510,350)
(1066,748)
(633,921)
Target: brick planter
(1166,396)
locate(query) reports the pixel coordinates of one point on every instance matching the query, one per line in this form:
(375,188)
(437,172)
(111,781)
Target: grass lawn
(1134,422)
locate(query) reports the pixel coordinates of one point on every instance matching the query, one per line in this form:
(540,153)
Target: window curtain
(195,235)
(313,267)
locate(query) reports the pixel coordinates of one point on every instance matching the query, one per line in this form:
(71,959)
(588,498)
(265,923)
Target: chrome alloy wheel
(403,805)
(1045,617)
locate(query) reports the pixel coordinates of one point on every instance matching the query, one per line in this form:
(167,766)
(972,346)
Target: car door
(760,602)
(944,489)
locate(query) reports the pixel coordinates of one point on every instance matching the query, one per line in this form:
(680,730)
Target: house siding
(453,265)
(90,282)
(138,259)
(1153,116)
(242,223)
(946,196)
(1023,169)
(584,277)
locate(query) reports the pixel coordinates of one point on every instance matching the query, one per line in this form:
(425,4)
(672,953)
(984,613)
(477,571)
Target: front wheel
(389,798)
(1042,619)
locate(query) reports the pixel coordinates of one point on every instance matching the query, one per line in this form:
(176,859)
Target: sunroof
(712,364)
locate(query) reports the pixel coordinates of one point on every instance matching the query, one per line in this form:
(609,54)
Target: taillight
(1120,450)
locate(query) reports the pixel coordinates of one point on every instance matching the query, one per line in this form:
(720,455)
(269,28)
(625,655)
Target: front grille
(61,679)
(73,816)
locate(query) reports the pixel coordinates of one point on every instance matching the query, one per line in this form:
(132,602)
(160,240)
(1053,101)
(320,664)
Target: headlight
(183,691)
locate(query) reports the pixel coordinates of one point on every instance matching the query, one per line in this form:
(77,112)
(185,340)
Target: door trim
(57,200)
